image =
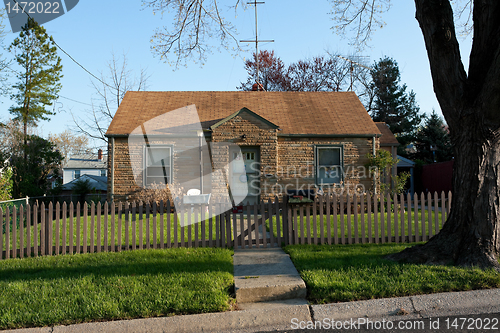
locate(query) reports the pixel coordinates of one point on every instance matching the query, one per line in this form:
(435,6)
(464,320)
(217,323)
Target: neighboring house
(295,139)
(87,164)
(98,184)
(388,142)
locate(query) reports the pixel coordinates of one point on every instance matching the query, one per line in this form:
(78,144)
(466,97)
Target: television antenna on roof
(256,40)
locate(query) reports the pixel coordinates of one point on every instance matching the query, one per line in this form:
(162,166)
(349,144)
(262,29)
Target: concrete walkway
(266,274)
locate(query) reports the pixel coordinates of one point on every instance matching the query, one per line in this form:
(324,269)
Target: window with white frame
(329,164)
(103,173)
(77,174)
(158,165)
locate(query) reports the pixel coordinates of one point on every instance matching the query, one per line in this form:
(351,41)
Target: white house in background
(87,164)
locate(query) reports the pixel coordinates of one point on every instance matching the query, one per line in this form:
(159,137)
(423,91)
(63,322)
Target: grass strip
(343,273)
(63,290)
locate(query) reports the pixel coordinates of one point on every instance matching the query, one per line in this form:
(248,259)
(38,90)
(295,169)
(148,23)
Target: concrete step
(262,275)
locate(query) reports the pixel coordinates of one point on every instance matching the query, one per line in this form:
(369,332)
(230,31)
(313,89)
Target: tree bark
(471,106)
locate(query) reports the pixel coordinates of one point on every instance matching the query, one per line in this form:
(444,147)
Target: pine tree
(38,80)
(393,104)
(433,135)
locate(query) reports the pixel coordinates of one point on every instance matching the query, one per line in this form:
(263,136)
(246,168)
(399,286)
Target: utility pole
(256,41)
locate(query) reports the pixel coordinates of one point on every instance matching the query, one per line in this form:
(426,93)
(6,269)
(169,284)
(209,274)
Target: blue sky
(94,29)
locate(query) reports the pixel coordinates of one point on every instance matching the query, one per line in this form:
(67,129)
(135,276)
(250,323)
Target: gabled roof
(405,163)
(97,182)
(244,110)
(86,161)
(306,113)
(387,138)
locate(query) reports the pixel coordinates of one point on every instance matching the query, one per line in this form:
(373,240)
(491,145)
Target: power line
(73,59)
(75,100)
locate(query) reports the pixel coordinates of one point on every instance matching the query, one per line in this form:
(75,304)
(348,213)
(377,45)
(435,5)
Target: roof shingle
(336,113)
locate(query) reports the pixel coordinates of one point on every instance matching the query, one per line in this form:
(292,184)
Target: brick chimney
(99,154)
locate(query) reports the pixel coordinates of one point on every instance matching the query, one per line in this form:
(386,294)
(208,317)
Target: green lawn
(343,226)
(136,228)
(107,286)
(342,273)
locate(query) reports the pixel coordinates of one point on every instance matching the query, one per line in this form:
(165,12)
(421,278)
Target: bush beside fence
(335,219)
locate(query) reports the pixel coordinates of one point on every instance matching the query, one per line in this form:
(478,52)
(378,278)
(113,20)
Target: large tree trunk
(470,236)
(471,106)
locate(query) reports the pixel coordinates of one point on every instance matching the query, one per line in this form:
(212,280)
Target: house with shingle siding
(295,139)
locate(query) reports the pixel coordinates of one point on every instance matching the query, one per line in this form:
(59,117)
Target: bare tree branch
(95,121)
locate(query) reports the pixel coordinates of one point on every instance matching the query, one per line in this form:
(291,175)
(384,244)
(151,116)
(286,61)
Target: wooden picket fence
(330,219)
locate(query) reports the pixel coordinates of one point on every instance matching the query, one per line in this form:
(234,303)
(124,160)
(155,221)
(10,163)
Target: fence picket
(21,231)
(249,226)
(28,231)
(295,226)
(204,220)
(415,215)
(389,212)
(182,223)
(217,229)
(133,227)
(335,221)
(211,220)
(382,216)
(375,234)
(342,221)
(141,225)
(57,228)
(429,215)
(71,227)
(7,233)
(64,227)
(78,228)
(402,214)
(256,222)
(127,226)
(112,236)
(175,242)
(98,227)
(271,224)
(356,226)
(35,232)
(147,221)
(278,223)
(106,227)
(349,223)
(422,216)
(321,220)
(162,225)
(328,220)
(234,225)
(408,200)
(396,218)
(229,242)
(14,233)
(92,227)
(50,225)
(264,228)
(443,208)
(155,231)
(42,230)
(436,213)
(303,234)
(362,210)
(119,228)
(315,224)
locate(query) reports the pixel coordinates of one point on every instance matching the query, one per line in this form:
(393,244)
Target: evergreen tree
(433,135)
(38,80)
(393,104)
